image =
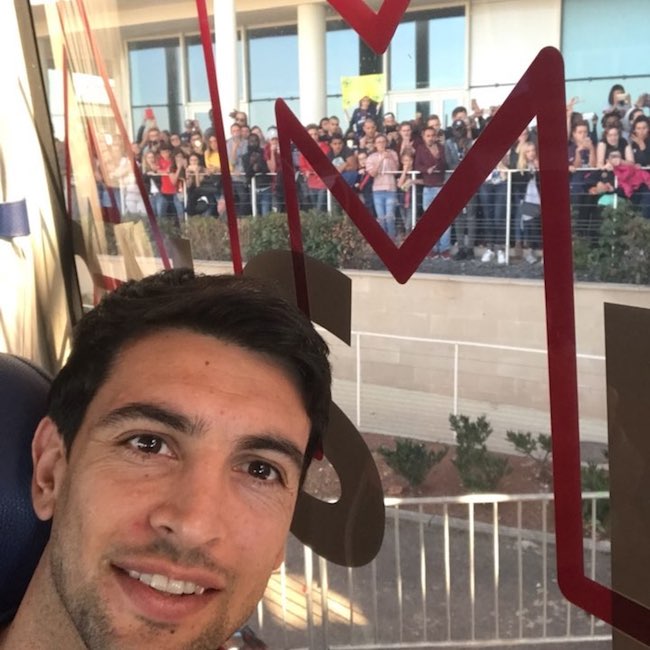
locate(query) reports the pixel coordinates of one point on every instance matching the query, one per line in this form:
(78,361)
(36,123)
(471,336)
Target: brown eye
(263,471)
(149,444)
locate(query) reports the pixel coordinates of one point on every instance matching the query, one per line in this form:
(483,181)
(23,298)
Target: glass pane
(148,68)
(161,114)
(402,58)
(447,52)
(197,82)
(270,55)
(448,106)
(335,107)
(262,112)
(589,32)
(405,111)
(342,51)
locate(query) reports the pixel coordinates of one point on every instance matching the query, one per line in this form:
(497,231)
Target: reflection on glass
(446,52)
(273,60)
(197,84)
(402,58)
(342,47)
(147,64)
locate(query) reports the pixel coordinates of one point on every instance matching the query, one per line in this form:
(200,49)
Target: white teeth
(175,586)
(167,585)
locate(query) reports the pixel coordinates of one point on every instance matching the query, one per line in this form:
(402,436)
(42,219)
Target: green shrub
(356,252)
(319,234)
(209,238)
(411,459)
(479,469)
(622,251)
(537,449)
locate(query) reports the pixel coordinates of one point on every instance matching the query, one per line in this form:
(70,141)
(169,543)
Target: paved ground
(526,605)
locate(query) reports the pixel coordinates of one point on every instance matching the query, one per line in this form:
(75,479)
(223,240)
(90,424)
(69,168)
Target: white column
(226,56)
(311,61)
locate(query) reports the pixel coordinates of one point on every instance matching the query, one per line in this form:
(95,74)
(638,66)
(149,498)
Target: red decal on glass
(376,29)
(540,92)
(217,123)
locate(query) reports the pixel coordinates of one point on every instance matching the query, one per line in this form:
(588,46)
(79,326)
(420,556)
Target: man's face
(428,135)
(183,478)
(235,131)
(434,123)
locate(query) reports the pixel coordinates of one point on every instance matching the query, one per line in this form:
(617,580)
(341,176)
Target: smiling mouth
(168,585)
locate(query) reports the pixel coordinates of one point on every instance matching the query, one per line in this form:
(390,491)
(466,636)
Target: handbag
(529,210)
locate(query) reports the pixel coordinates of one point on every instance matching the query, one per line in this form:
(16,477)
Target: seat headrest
(23,398)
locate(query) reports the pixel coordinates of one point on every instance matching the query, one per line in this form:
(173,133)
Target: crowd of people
(397,169)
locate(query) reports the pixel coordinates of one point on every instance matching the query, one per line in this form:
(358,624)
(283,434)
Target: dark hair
(611,115)
(240,310)
(640,118)
(578,123)
(616,88)
(458,109)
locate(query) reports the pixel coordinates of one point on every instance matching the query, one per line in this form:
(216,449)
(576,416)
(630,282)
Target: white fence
(454,572)
(407,386)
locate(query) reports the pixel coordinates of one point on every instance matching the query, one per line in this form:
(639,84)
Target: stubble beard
(88,615)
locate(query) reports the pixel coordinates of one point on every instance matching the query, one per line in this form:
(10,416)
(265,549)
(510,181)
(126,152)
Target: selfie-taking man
(176,440)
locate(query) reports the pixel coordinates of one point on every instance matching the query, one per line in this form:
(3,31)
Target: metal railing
(414,207)
(465,571)
(453,376)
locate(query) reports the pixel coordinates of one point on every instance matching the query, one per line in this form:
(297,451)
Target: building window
(428,51)
(197,81)
(273,72)
(604,43)
(342,60)
(154,74)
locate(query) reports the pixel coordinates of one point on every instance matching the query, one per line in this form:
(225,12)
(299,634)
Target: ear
(49,460)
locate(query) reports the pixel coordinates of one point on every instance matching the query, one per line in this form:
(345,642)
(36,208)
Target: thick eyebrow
(272,442)
(155,413)
(193,427)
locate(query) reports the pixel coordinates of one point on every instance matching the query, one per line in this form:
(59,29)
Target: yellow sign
(354,88)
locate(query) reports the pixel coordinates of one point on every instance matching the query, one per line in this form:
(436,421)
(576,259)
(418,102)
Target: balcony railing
(453,572)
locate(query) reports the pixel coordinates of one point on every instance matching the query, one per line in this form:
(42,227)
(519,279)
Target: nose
(195,507)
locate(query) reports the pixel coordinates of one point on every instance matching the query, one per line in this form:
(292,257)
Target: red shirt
(166,185)
(313,180)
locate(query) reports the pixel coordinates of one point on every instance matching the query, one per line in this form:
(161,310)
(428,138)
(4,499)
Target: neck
(41,622)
